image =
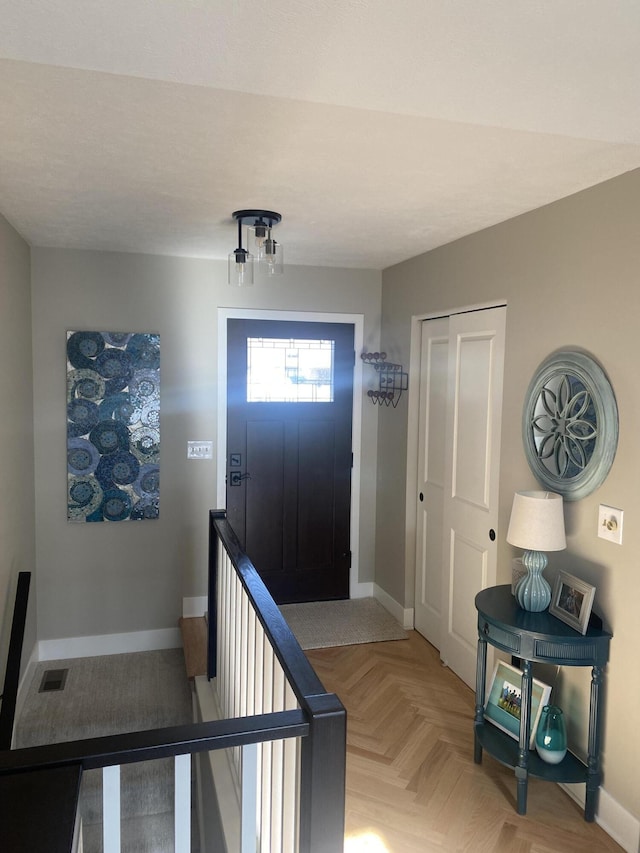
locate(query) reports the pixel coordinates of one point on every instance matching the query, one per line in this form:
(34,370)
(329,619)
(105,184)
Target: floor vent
(53,679)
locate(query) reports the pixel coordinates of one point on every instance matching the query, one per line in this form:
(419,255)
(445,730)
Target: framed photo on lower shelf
(505,699)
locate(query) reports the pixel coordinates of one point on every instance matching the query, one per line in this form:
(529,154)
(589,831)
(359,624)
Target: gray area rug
(113,695)
(324,624)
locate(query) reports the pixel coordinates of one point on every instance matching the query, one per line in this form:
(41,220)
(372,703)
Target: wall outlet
(199,450)
(610,523)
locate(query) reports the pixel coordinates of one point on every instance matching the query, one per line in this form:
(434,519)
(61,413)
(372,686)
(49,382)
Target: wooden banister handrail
(156,743)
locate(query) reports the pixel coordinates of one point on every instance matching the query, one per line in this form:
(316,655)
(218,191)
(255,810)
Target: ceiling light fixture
(270,254)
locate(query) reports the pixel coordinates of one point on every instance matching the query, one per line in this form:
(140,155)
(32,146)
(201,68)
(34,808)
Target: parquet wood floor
(412,784)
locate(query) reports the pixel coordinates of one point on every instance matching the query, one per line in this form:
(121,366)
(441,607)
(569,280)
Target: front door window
(287,370)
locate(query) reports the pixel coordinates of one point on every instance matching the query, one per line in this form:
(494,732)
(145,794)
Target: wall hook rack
(392,379)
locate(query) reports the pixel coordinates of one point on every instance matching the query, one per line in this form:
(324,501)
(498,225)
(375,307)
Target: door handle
(236,478)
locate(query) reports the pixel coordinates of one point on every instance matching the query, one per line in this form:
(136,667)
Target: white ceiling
(378,129)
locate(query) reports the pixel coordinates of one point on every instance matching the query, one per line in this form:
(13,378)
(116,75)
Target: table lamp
(537,525)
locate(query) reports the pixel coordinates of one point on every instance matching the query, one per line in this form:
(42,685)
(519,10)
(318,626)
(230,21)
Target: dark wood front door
(289,411)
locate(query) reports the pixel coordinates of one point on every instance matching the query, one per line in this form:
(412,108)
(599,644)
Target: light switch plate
(199,450)
(610,523)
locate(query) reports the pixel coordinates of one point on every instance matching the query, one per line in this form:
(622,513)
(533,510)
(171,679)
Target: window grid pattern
(290,370)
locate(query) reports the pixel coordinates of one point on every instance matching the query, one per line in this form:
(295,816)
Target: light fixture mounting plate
(257,214)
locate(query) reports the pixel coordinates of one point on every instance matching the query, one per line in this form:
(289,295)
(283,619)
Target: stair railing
(20,833)
(289,744)
(260,668)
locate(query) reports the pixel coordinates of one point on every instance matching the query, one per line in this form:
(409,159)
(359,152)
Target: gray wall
(17,537)
(111,578)
(570,275)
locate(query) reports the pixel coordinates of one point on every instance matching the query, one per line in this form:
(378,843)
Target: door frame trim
(413,414)
(357,321)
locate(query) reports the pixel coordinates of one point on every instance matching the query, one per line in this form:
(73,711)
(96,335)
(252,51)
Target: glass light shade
(271,256)
(259,231)
(240,268)
(537,525)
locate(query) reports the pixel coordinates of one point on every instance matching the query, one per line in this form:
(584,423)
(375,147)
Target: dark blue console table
(537,638)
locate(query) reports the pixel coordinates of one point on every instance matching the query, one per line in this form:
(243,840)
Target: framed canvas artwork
(113,426)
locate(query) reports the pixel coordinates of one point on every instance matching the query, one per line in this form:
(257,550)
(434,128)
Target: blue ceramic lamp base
(532,591)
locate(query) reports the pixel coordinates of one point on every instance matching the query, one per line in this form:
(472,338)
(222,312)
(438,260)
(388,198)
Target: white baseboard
(195,606)
(109,644)
(614,819)
(25,682)
(361,590)
(404,615)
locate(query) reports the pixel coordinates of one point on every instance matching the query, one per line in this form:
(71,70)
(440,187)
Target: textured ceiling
(379,130)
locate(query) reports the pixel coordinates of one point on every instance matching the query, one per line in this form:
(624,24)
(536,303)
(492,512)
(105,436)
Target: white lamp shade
(537,522)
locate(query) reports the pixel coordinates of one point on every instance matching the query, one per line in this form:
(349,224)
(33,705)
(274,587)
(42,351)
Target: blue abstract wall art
(113,426)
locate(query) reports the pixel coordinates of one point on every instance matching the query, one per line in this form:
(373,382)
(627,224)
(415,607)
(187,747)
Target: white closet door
(431,477)
(459,462)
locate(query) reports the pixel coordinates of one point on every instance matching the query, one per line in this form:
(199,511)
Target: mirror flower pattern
(564,426)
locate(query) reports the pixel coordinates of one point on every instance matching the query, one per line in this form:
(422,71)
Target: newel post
(212,594)
(322,776)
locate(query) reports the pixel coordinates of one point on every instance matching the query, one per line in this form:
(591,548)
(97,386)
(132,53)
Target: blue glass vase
(551,735)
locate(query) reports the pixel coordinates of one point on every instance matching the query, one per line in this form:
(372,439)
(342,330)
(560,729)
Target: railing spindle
(249,798)
(182,806)
(290,788)
(244,656)
(111,809)
(277,766)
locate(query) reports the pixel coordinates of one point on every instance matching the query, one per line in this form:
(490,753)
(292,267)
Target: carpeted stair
(194,644)
(111,695)
(146,834)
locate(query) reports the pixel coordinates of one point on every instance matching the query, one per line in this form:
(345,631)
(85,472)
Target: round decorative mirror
(570,424)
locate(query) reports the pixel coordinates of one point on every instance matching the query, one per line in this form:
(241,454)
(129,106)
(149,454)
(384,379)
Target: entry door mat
(324,624)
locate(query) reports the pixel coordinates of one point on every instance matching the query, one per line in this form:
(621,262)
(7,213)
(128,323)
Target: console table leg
(593,758)
(523,783)
(522,770)
(477,749)
(481,670)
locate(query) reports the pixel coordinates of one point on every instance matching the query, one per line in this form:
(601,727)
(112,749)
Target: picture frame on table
(572,600)
(504,701)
